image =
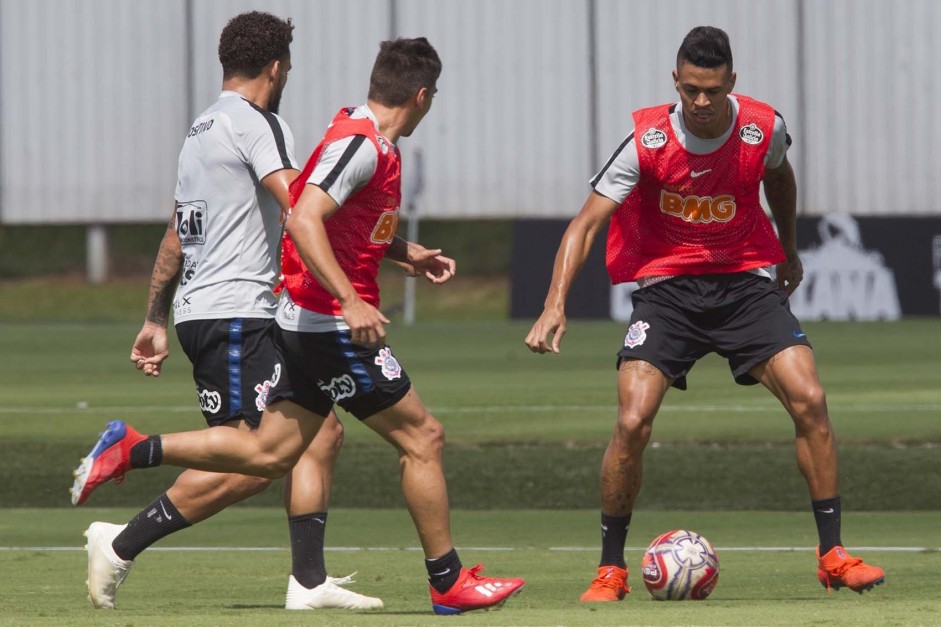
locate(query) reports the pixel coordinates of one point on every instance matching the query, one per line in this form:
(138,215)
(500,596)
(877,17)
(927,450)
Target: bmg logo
(191,218)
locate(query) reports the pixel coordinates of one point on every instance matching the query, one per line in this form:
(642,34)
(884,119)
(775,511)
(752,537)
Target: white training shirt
(344,167)
(228,223)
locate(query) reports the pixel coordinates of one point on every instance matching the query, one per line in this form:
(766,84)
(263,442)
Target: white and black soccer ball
(680,565)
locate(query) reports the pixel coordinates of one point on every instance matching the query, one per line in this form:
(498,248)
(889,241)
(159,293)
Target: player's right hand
(365,323)
(549,323)
(150,349)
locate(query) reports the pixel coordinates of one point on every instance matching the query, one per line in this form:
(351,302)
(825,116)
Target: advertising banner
(855,268)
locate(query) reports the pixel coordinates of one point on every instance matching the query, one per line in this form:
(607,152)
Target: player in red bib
(681,197)
(331,333)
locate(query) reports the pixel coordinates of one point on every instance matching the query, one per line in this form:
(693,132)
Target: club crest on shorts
(636,334)
(263,388)
(389,364)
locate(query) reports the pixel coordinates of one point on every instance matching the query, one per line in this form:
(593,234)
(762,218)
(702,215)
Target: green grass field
(555,551)
(526,435)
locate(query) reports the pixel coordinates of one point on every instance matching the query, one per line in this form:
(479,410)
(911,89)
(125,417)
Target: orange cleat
(609,585)
(472,591)
(838,568)
(109,459)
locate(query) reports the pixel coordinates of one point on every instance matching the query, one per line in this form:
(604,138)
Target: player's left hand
(430,263)
(550,323)
(790,273)
(150,349)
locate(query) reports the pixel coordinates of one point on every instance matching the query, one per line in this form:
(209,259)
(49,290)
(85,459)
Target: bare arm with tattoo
(151,346)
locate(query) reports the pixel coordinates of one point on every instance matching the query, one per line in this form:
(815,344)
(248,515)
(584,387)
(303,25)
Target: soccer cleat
(838,568)
(109,459)
(106,570)
(327,595)
(472,591)
(609,585)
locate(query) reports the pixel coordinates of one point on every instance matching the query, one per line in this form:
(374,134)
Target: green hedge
(481,246)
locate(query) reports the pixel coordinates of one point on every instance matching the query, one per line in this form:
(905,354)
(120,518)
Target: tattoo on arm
(167,269)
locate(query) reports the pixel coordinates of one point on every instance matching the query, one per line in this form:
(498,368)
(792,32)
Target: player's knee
(246,485)
(433,435)
(809,404)
(632,431)
(332,433)
(276,465)
(425,441)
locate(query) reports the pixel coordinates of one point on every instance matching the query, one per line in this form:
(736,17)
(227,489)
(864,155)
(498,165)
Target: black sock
(613,537)
(307,563)
(147,453)
(444,571)
(157,520)
(827,516)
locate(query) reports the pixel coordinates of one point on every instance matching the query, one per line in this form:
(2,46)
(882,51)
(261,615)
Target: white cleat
(106,570)
(327,595)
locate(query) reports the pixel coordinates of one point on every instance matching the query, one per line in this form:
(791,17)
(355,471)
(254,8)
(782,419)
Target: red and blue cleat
(472,591)
(109,460)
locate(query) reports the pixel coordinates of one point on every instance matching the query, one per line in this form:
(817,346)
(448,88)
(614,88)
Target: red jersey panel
(695,214)
(361,229)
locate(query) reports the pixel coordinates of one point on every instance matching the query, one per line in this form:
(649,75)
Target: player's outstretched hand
(365,322)
(430,263)
(549,323)
(790,273)
(150,349)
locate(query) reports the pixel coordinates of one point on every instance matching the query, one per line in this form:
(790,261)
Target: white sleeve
(268,144)
(780,142)
(620,174)
(344,167)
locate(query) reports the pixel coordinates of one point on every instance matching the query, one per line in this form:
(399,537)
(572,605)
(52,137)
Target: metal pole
(801,87)
(96,252)
(411,213)
(408,311)
(593,114)
(393,19)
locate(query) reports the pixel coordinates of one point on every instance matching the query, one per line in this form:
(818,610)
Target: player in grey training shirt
(228,224)
(220,252)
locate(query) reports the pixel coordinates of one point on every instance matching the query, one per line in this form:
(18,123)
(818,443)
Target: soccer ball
(680,565)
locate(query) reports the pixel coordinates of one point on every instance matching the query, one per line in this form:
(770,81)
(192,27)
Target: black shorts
(235,363)
(743,317)
(321,369)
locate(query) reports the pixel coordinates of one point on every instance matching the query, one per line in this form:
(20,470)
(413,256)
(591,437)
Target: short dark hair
(252,40)
(707,47)
(403,66)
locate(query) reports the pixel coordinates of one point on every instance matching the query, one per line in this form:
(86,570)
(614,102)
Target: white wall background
(96,95)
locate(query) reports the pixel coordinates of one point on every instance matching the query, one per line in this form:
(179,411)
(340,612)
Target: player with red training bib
(681,196)
(344,214)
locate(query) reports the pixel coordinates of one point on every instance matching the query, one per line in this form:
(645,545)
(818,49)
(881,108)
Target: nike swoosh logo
(799,334)
(696,174)
(829,510)
(442,573)
(169,517)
